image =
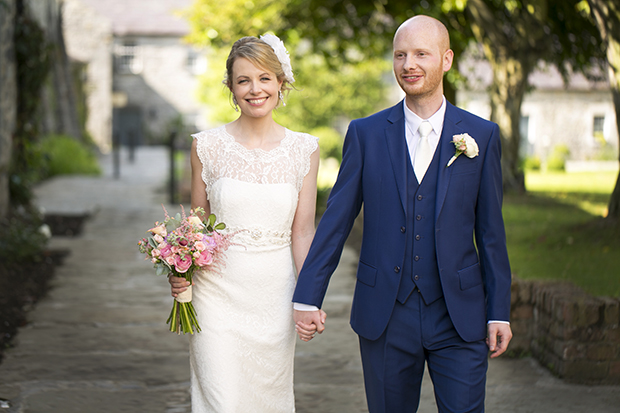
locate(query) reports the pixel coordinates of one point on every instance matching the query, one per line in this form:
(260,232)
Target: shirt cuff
(498,322)
(305,307)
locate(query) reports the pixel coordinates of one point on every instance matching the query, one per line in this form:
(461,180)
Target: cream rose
(194,220)
(464,144)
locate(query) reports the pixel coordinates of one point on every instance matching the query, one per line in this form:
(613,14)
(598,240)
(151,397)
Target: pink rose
(206,258)
(170,259)
(182,263)
(199,246)
(158,238)
(155,253)
(165,250)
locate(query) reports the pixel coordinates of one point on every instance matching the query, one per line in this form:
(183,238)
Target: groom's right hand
(308,323)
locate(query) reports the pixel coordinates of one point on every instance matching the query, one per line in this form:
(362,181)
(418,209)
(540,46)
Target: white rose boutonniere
(464,144)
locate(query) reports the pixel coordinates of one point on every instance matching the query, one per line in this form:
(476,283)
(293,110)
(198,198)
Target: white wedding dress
(242,360)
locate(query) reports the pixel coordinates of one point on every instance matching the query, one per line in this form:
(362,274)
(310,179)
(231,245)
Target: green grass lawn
(556,231)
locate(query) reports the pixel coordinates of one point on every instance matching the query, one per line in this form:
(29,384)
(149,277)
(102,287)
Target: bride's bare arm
(199,199)
(303,222)
(302,234)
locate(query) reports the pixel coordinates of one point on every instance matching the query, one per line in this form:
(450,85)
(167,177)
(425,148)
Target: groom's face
(420,59)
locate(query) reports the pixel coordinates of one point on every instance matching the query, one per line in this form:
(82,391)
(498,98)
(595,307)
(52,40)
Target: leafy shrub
(557,160)
(532,163)
(23,236)
(66,156)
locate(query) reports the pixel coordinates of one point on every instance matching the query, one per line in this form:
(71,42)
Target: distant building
(580,115)
(140,74)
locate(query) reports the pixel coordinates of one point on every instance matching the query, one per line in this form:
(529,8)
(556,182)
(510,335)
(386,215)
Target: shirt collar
(413,121)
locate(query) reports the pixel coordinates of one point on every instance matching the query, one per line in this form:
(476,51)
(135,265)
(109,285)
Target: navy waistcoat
(420,268)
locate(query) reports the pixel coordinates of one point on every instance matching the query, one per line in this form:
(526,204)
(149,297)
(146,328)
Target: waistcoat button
(402,229)
(397,269)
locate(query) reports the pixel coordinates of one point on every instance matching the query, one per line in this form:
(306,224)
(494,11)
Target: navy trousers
(416,335)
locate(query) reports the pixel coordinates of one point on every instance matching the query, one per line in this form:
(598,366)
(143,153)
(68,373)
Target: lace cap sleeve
(307,145)
(204,148)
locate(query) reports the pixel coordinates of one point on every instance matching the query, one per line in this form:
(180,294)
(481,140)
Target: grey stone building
(140,74)
(579,115)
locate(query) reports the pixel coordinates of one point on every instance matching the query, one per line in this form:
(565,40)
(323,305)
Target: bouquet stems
(182,317)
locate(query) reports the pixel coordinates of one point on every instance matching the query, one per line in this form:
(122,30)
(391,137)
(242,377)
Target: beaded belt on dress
(257,236)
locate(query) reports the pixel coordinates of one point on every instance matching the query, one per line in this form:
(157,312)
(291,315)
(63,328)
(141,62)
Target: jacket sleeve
(491,235)
(343,206)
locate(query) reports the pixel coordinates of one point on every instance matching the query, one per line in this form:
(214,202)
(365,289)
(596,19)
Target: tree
(515,36)
(326,92)
(606,15)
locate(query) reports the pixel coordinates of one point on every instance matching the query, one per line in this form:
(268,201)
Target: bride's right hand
(177,285)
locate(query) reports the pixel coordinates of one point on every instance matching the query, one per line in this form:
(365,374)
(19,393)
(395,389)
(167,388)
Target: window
(128,58)
(598,129)
(196,63)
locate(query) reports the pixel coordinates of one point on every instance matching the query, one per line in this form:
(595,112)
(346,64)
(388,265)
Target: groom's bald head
(428,25)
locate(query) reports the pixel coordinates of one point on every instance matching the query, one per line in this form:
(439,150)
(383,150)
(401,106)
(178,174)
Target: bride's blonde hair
(260,54)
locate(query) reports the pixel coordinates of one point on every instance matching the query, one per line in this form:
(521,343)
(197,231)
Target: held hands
(308,323)
(177,285)
(499,335)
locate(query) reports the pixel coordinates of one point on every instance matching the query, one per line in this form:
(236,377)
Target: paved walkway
(99,344)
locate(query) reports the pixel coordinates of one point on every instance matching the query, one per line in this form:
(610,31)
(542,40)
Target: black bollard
(132,146)
(116,147)
(173,186)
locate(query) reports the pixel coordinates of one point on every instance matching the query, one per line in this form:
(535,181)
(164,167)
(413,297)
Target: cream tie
(423,153)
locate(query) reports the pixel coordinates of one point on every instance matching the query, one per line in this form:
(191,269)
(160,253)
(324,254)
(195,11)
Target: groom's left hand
(498,338)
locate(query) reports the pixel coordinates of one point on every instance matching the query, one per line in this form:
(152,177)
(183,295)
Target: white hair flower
(282,54)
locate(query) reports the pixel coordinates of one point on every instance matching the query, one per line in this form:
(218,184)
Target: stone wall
(8,96)
(59,103)
(575,335)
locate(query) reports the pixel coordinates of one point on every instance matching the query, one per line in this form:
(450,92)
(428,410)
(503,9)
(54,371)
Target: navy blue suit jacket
(470,238)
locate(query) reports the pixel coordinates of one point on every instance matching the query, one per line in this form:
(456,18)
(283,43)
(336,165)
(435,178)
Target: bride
(260,179)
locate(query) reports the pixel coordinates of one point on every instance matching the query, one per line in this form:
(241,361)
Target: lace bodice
(223,157)
(255,192)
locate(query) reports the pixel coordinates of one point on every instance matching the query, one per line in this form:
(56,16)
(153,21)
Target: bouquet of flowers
(179,246)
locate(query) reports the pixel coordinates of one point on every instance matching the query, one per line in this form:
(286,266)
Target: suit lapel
(397,148)
(447,150)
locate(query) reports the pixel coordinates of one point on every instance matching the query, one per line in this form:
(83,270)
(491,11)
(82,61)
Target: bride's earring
(236,104)
(281,96)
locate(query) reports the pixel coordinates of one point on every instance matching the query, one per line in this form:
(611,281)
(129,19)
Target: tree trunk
(613,208)
(606,14)
(507,92)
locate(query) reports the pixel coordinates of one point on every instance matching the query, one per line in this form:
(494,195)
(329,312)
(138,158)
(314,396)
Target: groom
(433,280)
